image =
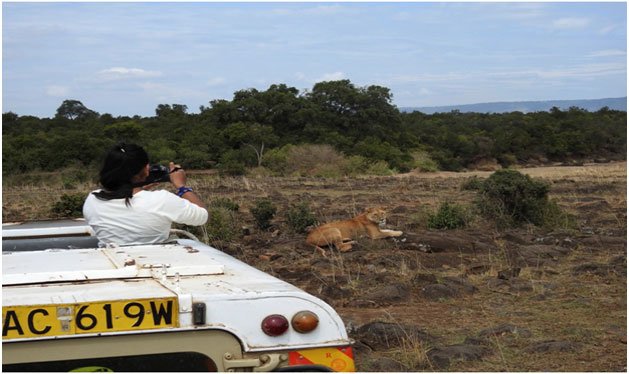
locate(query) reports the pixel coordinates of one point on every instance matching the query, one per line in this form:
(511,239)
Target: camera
(158,174)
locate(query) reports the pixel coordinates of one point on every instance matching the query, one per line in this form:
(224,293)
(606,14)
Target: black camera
(157,174)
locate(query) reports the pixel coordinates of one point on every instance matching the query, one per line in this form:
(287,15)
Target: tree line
(232,135)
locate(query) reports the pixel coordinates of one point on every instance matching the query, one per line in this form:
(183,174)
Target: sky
(127,58)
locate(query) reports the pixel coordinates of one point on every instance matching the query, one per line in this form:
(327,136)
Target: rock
(439,241)
(509,273)
(516,238)
(471,340)
(389,294)
(441,357)
(400,209)
(619,265)
(601,270)
(520,285)
(461,285)
(553,346)
(336,292)
(477,269)
(386,365)
(360,303)
(505,329)
(437,291)
(385,335)
(422,279)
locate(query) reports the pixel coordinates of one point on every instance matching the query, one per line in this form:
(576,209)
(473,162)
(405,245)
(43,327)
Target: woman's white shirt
(146,220)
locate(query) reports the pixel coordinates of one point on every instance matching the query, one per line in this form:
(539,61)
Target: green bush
(69,205)
(355,165)
(512,198)
(448,216)
(472,184)
(221,225)
(423,162)
(276,159)
(224,202)
(263,212)
(380,168)
(299,218)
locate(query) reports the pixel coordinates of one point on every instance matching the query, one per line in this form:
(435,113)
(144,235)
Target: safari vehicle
(68,305)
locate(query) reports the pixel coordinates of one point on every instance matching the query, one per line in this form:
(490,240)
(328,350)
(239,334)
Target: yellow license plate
(70,319)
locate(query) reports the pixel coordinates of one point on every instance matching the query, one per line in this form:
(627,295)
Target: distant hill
(593,105)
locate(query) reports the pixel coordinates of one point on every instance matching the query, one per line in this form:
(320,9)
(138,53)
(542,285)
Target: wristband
(182,190)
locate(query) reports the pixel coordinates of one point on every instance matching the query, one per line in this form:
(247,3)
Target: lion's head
(377,216)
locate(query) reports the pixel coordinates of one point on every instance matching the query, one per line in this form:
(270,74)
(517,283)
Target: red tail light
(274,325)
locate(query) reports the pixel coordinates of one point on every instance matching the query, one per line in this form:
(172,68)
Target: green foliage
(69,206)
(299,218)
(263,212)
(448,216)
(380,168)
(276,159)
(226,203)
(472,184)
(512,198)
(424,162)
(222,225)
(74,110)
(359,124)
(234,162)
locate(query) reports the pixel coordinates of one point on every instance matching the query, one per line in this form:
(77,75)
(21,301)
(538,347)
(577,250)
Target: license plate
(71,319)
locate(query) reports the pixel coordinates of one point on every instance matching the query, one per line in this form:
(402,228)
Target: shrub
(263,211)
(315,160)
(355,165)
(512,198)
(472,184)
(69,205)
(224,202)
(380,168)
(276,159)
(221,225)
(448,216)
(423,162)
(299,218)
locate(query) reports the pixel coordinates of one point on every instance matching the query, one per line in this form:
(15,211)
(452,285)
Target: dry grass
(559,305)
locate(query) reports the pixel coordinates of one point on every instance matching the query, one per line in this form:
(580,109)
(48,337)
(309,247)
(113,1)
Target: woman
(124,212)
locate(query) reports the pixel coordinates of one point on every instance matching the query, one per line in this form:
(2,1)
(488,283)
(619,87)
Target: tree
(74,109)
(166,110)
(254,136)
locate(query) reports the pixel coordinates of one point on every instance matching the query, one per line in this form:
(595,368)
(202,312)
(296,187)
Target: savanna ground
(473,299)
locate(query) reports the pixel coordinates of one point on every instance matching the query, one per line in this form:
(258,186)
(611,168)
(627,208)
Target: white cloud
(607,29)
(570,23)
(127,73)
(57,91)
(608,53)
(332,76)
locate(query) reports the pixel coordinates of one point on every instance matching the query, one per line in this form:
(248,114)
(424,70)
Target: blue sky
(126,58)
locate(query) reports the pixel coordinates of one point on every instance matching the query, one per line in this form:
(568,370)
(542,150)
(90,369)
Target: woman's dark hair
(122,163)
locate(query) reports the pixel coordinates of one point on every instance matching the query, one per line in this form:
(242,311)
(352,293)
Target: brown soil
(474,299)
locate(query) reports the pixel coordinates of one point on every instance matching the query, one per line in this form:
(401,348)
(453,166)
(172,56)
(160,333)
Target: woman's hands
(178,179)
(177,175)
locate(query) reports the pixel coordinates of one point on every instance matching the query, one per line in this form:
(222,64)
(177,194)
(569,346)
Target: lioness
(341,233)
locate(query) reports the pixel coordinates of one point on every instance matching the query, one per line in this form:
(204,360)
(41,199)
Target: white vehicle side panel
(237,296)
